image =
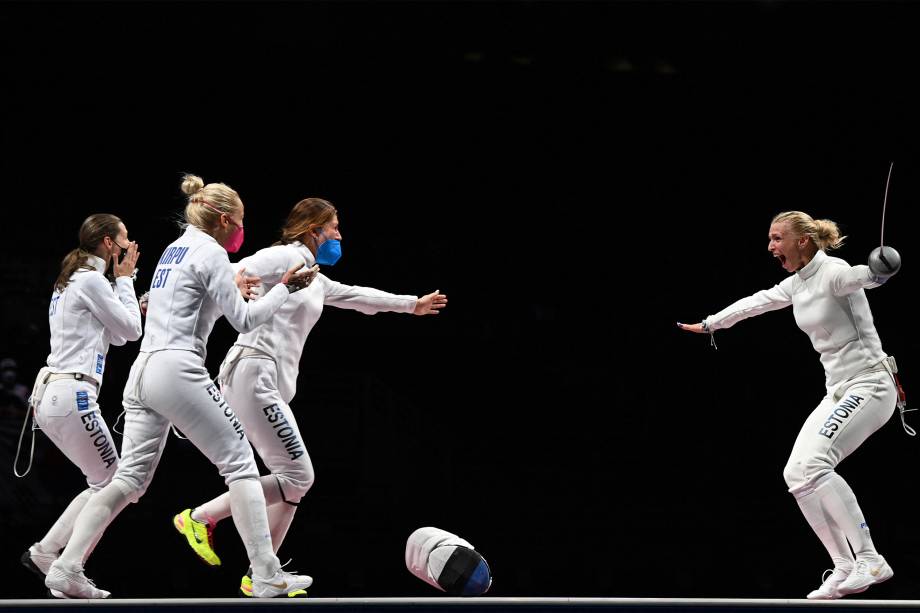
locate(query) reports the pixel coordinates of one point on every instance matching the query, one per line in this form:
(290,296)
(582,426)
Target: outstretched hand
(430,304)
(128,263)
(698,328)
(296,281)
(246,283)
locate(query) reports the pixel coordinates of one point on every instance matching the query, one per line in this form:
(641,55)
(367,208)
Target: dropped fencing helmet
(447,562)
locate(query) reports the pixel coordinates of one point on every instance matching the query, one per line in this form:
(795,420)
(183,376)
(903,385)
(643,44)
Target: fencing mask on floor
(447,562)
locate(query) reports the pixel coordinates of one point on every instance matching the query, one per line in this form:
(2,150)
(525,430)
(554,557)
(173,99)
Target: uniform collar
(304,251)
(96,262)
(813,266)
(192,229)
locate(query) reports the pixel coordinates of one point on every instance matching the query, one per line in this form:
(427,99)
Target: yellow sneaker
(246,585)
(199,536)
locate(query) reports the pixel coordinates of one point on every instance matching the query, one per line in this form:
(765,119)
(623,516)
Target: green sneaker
(246,584)
(199,536)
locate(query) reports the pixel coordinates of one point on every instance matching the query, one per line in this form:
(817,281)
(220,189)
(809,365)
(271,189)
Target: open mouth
(782,259)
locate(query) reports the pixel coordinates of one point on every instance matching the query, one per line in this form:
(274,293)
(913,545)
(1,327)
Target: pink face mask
(235,240)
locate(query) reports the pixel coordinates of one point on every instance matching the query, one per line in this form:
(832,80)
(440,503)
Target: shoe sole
(834,596)
(62,596)
(883,579)
(53,593)
(300,593)
(295,594)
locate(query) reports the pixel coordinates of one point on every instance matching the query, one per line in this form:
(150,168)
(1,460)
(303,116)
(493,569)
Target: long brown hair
(307,215)
(94,229)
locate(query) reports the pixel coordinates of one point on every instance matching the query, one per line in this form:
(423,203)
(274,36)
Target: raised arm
(118,311)
(218,277)
(269,264)
(848,279)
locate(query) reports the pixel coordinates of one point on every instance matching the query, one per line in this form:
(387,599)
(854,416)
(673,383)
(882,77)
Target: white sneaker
(281,584)
(38,562)
(866,573)
(828,590)
(65,583)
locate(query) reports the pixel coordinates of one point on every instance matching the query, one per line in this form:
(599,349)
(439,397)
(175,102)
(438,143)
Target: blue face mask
(329,252)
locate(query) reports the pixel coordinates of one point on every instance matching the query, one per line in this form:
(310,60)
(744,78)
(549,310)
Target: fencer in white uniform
(192,286)
(88,312)
(830,305)
(259,374)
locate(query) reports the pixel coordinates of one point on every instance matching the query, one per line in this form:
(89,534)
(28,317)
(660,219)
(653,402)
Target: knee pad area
(294,485)
(802,480)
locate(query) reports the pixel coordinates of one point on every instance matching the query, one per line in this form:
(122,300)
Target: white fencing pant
(68,413)
(251,387)
(174,386)
(842,421)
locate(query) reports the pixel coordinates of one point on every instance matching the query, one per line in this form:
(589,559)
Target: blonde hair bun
(191,184)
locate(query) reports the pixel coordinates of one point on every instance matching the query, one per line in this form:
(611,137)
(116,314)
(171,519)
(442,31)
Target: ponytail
(72,262)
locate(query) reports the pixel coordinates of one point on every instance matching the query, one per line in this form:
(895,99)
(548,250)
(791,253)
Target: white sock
(97,514)
(840,503)
(247,503)
(218,508)
(60,532)
(280,516)
(828,532)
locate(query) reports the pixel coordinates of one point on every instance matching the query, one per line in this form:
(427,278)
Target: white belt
(237,353)
(252,352)
(70,375)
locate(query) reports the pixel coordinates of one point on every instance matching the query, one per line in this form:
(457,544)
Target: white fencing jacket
(87,316)
(191,288)
(283,337)
(830,305)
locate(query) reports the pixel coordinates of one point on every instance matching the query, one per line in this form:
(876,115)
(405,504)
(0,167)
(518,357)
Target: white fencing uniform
(259,376)
(85,318)
(191,288)
(830,305)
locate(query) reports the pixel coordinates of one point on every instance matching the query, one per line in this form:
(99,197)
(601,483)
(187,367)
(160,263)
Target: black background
(575,177)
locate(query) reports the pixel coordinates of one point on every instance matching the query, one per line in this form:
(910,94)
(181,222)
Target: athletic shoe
(246,587)
(866,573)
(280,585)
(832,578)
(65,583)
(199,536)
(38,562)
(246,584)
